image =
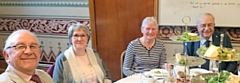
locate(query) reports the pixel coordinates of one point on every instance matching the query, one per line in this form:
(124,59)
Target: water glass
(214,66)
(139,70)
(167,67)
(238,72)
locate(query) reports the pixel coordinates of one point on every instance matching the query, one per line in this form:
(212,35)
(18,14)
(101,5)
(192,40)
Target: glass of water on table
(171,78)
(139,71)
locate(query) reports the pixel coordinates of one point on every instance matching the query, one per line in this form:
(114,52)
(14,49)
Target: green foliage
(157,72)
(203,50)
(182,62)
(187,37)
(223,53)
(224,77)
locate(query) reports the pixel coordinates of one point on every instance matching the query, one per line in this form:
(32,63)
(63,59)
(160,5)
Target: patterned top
(138,58)
(87,69)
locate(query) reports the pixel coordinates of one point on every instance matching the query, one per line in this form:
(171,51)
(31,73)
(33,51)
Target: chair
(121,62)
(50,70)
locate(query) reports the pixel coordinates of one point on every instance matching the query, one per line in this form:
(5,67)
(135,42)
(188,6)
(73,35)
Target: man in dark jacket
(205,25)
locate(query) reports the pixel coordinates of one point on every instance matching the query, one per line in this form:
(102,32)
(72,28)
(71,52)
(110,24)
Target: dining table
(138,78)
(141,77)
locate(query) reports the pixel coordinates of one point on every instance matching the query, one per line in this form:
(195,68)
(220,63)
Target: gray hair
(149,20)
(203,14)
(78,27)
(9,39)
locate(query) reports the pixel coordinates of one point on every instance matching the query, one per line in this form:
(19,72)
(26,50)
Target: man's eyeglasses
(23,47)
(209,25)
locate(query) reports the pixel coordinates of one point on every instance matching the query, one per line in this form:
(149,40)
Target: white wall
(74,9)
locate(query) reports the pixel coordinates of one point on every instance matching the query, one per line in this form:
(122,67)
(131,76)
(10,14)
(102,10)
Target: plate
(198,71)
(159,72)
(175,38)
(201,54)
(191,60)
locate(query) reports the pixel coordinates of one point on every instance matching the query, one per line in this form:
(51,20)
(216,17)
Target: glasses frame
(24,47)
(82,36)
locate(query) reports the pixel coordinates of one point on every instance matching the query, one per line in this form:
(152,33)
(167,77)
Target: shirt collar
(21,74)
(204,40)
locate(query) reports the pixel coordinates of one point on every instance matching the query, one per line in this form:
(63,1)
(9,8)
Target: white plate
(159,72)
(197,71)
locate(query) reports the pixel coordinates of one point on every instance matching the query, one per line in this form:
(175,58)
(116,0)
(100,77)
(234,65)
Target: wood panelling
(114,23)
(3,65)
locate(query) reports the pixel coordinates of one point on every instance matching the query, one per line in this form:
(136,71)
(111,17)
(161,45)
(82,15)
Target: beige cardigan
(66,64)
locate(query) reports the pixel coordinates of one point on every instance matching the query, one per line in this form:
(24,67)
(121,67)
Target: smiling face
(79,39)
(205,26)
(149,31)
(23,60)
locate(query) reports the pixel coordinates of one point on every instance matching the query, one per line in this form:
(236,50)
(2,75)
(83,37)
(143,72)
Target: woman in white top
(80,64)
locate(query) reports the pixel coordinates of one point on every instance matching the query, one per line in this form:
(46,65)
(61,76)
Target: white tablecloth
(137,78)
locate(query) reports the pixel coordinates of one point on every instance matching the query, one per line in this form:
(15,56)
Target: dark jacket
(192,47)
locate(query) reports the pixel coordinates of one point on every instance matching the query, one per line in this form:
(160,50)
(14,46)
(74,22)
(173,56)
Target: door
(114,23)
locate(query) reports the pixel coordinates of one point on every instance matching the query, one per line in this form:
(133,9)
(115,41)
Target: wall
(48,19)
(171,12)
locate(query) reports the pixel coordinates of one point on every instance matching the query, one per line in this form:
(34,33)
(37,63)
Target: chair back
(50,69)
(121,62)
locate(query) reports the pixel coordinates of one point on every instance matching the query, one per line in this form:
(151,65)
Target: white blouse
(87,69)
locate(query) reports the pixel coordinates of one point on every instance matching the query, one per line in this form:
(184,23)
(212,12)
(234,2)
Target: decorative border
(234,34)
(46,26)
(167,31)
(60,26)
(68,4)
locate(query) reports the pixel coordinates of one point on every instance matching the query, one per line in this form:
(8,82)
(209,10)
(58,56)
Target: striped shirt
(139,59)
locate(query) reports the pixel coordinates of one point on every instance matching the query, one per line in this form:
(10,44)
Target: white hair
(149,20)
(9,39)
(201,15)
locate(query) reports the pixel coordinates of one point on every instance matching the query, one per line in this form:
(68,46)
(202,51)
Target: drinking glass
(215,66)
(239,72)
(139,71)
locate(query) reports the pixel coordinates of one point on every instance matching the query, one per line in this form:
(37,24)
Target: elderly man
(22,53)
(205,27)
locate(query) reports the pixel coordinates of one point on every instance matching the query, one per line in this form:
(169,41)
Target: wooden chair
(121,62)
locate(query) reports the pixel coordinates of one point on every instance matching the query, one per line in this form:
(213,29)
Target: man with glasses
(205,26)
(22,54)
